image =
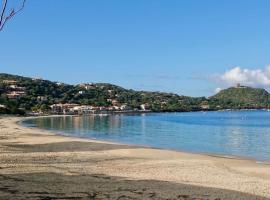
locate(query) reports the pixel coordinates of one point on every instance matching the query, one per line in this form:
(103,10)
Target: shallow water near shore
(233,133)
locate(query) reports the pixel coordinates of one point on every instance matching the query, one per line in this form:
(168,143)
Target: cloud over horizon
(244,76)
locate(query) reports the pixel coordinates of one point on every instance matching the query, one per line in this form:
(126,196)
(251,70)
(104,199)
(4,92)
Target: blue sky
(176,45)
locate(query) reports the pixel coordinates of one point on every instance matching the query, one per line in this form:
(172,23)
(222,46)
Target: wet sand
(36,164)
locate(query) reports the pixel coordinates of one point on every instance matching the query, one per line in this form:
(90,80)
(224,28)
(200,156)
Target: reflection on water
(242,133)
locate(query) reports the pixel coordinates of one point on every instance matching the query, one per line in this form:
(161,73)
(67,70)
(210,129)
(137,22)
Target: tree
(6,14)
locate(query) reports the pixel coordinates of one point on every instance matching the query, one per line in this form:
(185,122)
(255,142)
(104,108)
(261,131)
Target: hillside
(22,94)
(19,95)
(240,97)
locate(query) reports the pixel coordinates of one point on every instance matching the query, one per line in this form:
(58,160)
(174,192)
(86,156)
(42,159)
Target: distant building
(238,85)
(144,107)
(84,109)
(16,94)
(114,108)
(111,93)
(37,79)
(81,92)
(87,86)
(15,87)
(124,107)
(9,82)
(115,102)
(100,108)
(204,105)
(164,102)
(63,108)
(42,98)
(58,83)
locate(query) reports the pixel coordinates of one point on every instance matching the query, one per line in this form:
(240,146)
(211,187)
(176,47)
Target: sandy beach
(35,164)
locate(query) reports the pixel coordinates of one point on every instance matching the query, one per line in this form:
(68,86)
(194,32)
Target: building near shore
(84,109)
(63,108)
(114,108)
(144,107)
(76,109)
(205,105)
(125,107)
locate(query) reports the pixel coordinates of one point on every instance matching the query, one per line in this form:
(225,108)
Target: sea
(225,133)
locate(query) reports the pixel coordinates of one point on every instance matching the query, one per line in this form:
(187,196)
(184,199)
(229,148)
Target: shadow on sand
(51,186)
(69,147)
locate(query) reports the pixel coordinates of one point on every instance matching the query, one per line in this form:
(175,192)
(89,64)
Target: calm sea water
(236,133)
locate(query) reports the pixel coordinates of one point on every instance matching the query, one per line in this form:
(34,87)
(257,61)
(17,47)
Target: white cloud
(217,90)
(248,77)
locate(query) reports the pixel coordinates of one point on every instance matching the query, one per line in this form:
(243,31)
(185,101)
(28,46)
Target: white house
(81,92)
(83,109)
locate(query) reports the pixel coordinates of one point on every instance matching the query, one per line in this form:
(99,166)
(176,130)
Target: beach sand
(35,164)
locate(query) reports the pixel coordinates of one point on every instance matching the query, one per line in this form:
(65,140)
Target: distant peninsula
(35,96)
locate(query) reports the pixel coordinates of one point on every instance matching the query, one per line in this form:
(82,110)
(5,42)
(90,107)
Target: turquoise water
(235,133)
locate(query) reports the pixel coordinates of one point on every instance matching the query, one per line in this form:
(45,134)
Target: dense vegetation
(97,95)
(240,98)
(40,94)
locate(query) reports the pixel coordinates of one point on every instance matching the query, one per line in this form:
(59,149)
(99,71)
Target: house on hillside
(81,92)
(87,86)
(37,79)
(15,87)
(59,84)
(42,98)
(16,94)
(9,82)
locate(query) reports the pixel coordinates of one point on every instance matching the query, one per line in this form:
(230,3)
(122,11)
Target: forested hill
(19,94)
(22,94)
(241,97)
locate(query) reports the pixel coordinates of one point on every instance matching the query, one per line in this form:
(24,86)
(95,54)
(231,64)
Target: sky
(188,47)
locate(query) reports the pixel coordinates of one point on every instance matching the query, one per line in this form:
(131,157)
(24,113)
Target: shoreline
(150,112)
(236,157)
(30,151)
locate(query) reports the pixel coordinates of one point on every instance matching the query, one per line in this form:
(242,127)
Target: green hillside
(38,95)
(19,95)
(240,97)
